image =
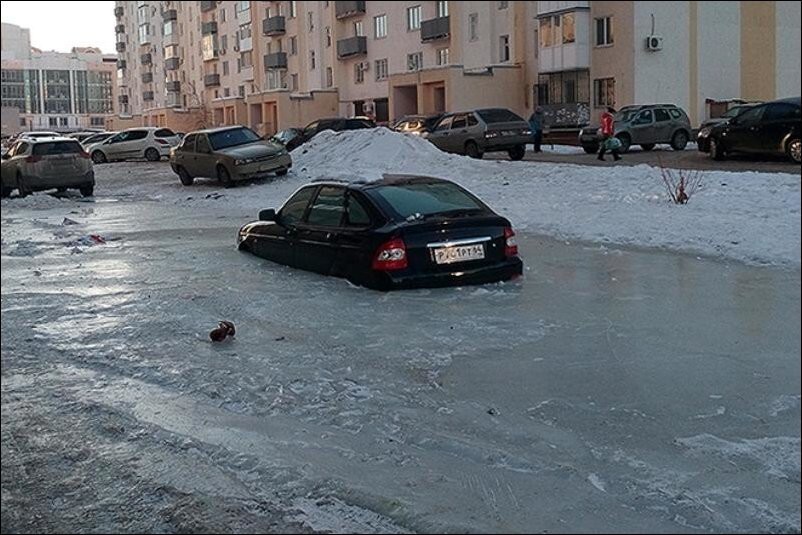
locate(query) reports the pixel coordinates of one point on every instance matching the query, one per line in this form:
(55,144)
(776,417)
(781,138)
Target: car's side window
(22,148)
(751,116)
(781,111)
(356,214)
(460,121)
(472,120)
(661,115)
(444,124)
(137,134)
(644,117)
(294,209)
(122,136)
(676,114)
(164,132)
(328,208)
(188,144)
(202,144)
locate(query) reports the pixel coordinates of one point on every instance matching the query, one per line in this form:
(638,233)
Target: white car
(149,142)
(97,138)
(41,163)
(37,134)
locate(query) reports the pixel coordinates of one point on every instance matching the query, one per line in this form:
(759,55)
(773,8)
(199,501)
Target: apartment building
(271,65)
(53,90)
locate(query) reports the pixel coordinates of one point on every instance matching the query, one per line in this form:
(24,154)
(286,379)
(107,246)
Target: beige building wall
(616,61)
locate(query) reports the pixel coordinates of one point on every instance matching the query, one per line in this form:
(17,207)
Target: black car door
(355,240)
(777,123)
(316,240)
(743,134)
(276,242)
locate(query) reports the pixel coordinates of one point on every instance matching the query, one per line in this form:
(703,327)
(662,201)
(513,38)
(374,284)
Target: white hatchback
(149,142)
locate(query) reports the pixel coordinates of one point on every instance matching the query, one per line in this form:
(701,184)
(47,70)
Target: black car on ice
(398,232)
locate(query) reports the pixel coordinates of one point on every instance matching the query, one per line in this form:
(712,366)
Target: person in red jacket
(608,142)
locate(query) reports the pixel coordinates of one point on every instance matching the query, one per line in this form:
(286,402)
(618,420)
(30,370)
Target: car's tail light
(84,154)
(391,256)
(32,159)
(162,141)
(510,245)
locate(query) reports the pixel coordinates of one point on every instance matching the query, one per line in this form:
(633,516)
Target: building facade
(272,65)
(53,90)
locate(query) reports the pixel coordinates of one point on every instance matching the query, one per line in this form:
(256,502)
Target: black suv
(770,128)
(336,124)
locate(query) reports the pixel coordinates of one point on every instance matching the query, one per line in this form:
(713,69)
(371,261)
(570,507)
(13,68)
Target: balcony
(352,46)
(276,60)
(146,59)
(173,100)
(147,77)
(247,73)
(211,80)
(173,85)
(208,28)
(121,64)
(170,14)
(433,29)
(120,46)
(172,64)
(207,6)
(122,99)
(147,95)
(348,9)
(120,28)
(118,12)
(274,25)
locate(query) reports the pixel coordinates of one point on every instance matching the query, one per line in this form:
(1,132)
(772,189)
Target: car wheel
(625,140)
(716,152)
(5,192)
(152,155)
(224,176)
(517,152)
(679,140)
(185,177)
(647,146)
(283,171)
(98,157)
(793,150)
(87,191)
(22,191)
(590,149)
(472,150)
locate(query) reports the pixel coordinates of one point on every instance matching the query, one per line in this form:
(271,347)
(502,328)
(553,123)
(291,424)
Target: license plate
(463,253)
(508,133)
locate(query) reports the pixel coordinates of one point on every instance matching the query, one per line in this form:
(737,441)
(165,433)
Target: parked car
(229,154)
(81,136)
(398,232)
(290,138)
(707,125)
(479,131)
(771,128)
(37,134)
(645,125)
(149,142)
(336,124)
(419,125)
(36,164)
(97,138)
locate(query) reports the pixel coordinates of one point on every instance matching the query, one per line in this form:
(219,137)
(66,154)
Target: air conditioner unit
(236,48)
(364,65)
(654,43)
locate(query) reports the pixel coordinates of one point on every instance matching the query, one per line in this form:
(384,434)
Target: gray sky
(63,25)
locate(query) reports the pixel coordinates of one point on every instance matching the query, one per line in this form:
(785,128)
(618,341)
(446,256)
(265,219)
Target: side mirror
(267,215)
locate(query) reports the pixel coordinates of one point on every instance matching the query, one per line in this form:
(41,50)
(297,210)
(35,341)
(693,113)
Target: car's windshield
(498,115)
(624,115)
(57,147)
(424,199)
(285,136)
(232,138)
(732,112)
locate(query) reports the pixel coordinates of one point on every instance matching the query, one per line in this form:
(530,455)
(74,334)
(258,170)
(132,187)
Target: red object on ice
(97,238)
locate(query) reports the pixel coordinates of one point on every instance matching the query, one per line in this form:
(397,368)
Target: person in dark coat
(536,126)
(608,141)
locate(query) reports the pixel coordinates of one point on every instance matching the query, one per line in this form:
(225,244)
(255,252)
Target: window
(426,199)
(329,77)
(459,121)
(225,68)
(164,132)
(241,90)
(413,18)
(52,121)
(380,26)
(503,5)
(781,112)
(359,73)
(661,115)
(188,144)
(676,114)
(498,115)
(473,26)
(415,61)
(604,92)
(545,32)
(569,91)
(381,69)
(293,8)
(222,15)
(442,8)
(442,56)
(312,64)
(293,45)
(246,59)
(328,36)
(751,116)
(310,22)
(564,87)
(359,29)
(504,48)
(604,31)
(293,210)
(328,208)
(223,42)
(444,124)
(644,117)
(355,213)
(294,79)
(569,28)
(144,33)
(226,92)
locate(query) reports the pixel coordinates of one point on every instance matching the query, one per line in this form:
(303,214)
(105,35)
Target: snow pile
(749,216)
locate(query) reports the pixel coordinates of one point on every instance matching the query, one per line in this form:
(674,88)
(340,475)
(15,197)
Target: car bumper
(703,141)
(36,183)
(502,271)
(505,143)
(258,169)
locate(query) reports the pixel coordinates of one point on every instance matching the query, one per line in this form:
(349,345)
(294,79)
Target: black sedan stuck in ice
(398,232)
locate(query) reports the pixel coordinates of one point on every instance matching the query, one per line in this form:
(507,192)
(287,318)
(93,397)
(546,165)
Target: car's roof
(51,139)
(788,100)
(386,180)
(216,129)
(38,133)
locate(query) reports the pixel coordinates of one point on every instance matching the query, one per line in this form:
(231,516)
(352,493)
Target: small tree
(680,184)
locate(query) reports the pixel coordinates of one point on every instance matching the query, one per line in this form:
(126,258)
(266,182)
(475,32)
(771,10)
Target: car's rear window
(57,147)
(498,115)
(426,198)
(232,138)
